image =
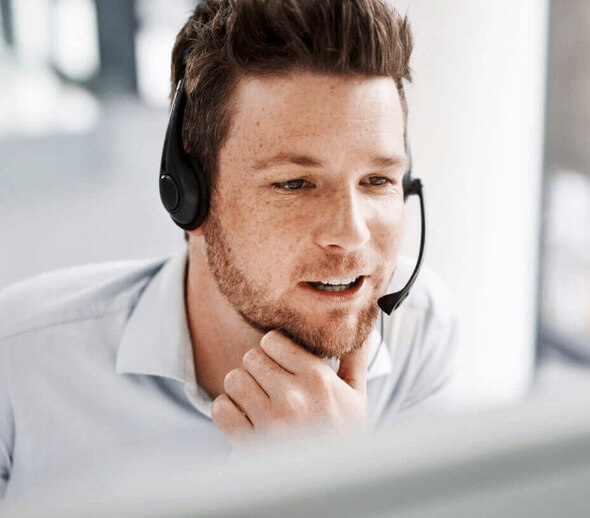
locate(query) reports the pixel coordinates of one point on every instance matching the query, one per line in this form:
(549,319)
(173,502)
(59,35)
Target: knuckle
(321,380)
(318,373)
(295,401)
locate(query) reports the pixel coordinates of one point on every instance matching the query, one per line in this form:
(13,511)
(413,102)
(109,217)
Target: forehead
(305,107)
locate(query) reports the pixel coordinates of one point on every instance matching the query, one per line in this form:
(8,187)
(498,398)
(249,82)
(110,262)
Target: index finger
(286,353)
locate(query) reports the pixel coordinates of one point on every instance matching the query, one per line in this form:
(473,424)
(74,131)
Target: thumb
(353,367)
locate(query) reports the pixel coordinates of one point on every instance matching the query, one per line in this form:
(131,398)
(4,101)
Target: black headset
(185,194)
(183,185)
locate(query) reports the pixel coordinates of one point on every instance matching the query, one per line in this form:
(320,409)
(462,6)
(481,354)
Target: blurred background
(500,133)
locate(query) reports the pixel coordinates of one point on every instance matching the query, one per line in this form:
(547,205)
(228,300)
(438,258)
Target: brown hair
(224,40)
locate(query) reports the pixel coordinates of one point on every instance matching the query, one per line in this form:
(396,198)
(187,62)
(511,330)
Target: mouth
(336,285)
(341,288)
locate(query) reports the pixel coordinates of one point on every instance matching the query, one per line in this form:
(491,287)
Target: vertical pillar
(116,28)
(476,126)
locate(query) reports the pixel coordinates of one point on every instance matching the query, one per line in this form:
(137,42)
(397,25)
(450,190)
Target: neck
(219,336)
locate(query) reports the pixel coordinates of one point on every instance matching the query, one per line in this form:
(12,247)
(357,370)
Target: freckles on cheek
(259,231)
(275,232)
(276,244)
(389,236)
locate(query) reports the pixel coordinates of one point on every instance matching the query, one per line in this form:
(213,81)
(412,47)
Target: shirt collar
(379,356)
(156,340)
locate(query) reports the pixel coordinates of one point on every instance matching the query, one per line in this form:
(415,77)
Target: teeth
(336,282)
(322,287)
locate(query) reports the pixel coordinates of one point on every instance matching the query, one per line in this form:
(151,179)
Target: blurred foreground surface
(528,460)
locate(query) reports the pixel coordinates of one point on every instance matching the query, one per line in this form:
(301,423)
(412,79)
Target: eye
(378,180)
(291,185)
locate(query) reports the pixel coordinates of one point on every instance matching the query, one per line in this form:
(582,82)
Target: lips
(335,291)
(336,285)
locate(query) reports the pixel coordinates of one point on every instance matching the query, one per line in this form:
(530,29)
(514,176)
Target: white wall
(476,116)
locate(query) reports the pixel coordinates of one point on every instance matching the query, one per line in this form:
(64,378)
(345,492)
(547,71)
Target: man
(269,324)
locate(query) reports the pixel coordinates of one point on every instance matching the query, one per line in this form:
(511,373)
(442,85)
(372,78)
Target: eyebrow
(384,162)
(311,162)
(286,159)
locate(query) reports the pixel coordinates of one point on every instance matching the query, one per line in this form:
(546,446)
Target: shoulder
(72,294)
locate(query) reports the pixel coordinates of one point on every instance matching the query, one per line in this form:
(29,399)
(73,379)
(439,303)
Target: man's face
(309,189)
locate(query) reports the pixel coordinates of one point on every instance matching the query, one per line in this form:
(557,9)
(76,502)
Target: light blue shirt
(99,356)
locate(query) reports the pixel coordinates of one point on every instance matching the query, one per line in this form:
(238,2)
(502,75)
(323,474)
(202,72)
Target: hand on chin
(282,389)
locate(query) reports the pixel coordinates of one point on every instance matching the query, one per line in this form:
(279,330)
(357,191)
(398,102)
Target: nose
(344,225)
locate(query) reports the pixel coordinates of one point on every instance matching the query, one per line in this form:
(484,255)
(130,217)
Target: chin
(336,335)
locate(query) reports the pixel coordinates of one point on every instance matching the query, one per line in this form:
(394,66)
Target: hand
(281,388)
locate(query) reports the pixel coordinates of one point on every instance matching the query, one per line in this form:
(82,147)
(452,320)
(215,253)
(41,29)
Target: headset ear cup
(183,185)
(169,192)
(194,196)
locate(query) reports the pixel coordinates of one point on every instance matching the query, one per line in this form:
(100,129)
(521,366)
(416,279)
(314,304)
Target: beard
(339,336)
